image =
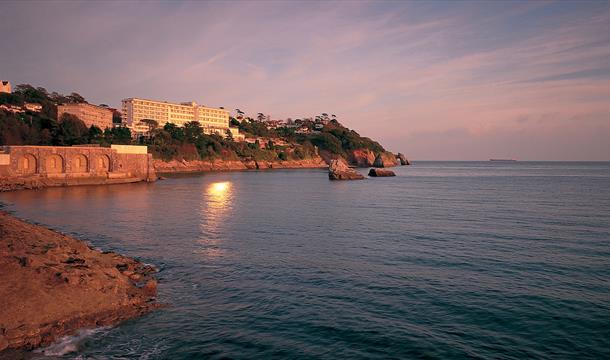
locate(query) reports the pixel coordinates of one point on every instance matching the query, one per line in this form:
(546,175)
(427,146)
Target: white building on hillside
(212,120)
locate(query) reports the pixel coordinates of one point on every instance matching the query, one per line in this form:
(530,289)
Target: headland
(49,139)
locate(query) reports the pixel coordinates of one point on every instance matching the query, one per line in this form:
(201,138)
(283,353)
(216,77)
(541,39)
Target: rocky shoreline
(358,158)
(51,285)
(184,166)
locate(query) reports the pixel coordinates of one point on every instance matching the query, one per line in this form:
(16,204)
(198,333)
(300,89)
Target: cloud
(399,72)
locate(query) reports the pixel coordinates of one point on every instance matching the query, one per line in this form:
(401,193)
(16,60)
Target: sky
(435,80)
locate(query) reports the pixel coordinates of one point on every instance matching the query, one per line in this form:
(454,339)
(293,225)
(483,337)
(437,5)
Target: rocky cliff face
(364,158)
(403,159)
(385,159)
(51,285)
(361,158)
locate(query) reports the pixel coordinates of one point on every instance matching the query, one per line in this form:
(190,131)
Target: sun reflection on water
(216,204)
(219,188)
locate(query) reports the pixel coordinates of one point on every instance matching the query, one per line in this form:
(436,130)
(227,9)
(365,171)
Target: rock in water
(339,170)
(403,159)
(385,159)
(381,173)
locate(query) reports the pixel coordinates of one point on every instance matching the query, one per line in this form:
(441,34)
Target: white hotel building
(212,120)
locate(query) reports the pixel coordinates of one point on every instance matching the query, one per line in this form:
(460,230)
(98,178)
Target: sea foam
(68,344)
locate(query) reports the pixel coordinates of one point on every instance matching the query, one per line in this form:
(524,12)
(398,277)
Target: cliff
(361,157)
(51,285)
(385,159)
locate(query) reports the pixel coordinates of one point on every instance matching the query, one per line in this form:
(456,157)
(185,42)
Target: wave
(69,344)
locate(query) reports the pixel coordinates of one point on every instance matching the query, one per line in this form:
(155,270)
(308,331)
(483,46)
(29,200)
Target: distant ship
(503,160)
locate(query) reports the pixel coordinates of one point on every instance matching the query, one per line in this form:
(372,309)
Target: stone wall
(39,166)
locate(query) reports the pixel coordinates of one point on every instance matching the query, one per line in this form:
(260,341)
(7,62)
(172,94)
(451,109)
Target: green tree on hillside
(177,133)
(192,131)
(116,117)
(71,131)
(75,98)
(118,135)
(95,135)
(152,124)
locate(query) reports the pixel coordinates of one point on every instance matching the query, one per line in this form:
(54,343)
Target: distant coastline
(503,160)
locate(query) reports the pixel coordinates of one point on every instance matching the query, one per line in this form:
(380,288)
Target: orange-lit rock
(51,285)
(339,170)
(375,172)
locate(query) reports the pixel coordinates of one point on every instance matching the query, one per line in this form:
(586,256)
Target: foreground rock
(51,285)
(385,160)
(339,170)
(381,173)
(402,159)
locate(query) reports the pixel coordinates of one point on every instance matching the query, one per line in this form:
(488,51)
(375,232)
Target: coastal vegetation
(44,128)
(300,139)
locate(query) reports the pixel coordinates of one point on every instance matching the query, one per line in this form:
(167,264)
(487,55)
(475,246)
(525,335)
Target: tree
(95,135)
(31,94)
(192,131)
(116,117)
(260,117)
(177,133)
(229,135)
(118,135)
(327,142)
(71,131)
(76,98)
(233,122)
(152,124)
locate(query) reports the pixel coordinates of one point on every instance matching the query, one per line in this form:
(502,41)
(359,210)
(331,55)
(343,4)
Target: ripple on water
(446,260)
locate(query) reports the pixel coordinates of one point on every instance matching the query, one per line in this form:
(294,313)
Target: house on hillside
(5,86)
(33,107)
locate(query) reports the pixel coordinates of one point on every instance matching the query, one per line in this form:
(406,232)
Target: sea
(447,260)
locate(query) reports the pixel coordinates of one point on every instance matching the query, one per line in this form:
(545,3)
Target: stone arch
(103,163)
(27,164)
(80,163)
(54,164)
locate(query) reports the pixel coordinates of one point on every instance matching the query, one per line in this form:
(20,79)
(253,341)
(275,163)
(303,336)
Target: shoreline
(200,166)
(16,183)
(52,285)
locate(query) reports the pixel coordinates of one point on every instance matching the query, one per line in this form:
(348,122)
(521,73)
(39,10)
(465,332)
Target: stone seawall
(26,167)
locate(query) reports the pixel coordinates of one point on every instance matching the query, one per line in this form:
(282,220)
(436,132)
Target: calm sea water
(448,260)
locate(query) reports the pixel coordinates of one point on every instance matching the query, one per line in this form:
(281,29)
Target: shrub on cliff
(254,128)
(328,142)
(339,140)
